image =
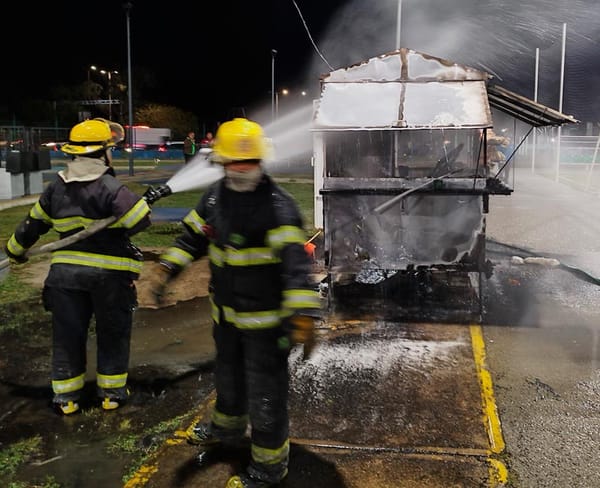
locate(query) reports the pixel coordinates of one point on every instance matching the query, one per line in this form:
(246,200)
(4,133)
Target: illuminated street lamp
(108,74)
(285,92)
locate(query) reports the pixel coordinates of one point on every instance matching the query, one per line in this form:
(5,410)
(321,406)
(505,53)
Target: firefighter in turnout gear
(93,276)
(251,230)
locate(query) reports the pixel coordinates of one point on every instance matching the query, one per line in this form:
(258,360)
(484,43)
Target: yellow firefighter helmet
(93,135)
(239,140)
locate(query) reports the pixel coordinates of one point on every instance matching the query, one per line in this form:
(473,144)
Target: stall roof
(526,110)
(405,89)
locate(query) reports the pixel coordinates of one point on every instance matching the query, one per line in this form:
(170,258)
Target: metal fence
(31,138)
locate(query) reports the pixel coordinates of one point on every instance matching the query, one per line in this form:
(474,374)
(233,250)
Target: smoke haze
(499,37)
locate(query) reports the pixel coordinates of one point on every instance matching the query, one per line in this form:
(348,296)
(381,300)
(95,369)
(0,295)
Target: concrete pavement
(549,218)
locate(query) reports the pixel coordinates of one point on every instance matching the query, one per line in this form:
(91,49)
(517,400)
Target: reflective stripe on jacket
(71,207)
(255,245)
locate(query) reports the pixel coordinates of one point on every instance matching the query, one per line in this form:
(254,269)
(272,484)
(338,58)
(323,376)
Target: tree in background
(179,121)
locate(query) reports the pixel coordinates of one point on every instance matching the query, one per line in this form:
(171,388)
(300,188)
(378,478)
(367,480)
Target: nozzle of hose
(151,195)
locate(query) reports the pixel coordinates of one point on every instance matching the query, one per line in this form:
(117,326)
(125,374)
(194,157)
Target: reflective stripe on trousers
(252,378)
(111,301)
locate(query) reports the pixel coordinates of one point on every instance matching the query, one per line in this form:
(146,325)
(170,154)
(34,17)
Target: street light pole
(128,6)
(110,95)
(109,77)
(273,94)
(398,24)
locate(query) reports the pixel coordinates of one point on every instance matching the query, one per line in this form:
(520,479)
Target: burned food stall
(402,182)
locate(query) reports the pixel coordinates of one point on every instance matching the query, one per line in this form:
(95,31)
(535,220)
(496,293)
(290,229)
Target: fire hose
(151,196)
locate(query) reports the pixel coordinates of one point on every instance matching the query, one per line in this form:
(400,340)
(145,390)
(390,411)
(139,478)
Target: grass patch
(13,288)
(18,453)
(145,444)
(11,217)
(303,193)
(130,443)
(161,234)
(49,482)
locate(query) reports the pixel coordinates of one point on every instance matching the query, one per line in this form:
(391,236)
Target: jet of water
(292,140)
(198,173)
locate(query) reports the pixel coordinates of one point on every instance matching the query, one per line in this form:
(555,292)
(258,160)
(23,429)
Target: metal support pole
(535,99)
(273,53)
(398,24)
(560,100)
(109,95)
(128,6)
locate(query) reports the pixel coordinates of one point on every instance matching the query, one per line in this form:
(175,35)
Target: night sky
(206,57)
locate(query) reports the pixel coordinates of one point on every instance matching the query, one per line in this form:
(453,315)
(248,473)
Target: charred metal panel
(420,230)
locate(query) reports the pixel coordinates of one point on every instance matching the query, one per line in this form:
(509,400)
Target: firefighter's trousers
(252,383)
(111,299)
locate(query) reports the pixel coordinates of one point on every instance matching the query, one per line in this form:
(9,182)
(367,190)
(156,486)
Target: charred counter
(397,224)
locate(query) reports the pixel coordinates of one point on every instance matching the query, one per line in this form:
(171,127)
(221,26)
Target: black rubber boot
(259,475)
(244,480)
(113,398)
(65,404)
(202,435)
(207,435)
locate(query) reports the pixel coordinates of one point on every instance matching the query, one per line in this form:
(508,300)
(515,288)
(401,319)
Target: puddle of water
(173,337)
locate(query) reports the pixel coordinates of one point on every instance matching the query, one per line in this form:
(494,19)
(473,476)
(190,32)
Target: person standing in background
(208,140)
(189,146)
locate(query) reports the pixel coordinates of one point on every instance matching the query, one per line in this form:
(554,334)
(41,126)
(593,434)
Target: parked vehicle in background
(172,146)
(146,138)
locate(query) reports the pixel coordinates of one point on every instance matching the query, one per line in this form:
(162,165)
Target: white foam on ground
(377,356)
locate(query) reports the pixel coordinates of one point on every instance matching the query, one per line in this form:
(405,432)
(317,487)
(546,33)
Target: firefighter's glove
(303,329)
(159,281)
(303,332)
(14,258)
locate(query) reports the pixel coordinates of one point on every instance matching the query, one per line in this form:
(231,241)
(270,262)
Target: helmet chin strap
(243,181)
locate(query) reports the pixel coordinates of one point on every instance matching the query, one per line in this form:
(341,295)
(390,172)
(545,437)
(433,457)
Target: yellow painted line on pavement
(497,469)
(143,474)
(498,473)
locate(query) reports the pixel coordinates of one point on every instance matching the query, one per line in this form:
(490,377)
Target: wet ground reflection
(171,367)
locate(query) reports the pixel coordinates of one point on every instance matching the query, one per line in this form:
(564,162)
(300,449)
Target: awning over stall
(526,110)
